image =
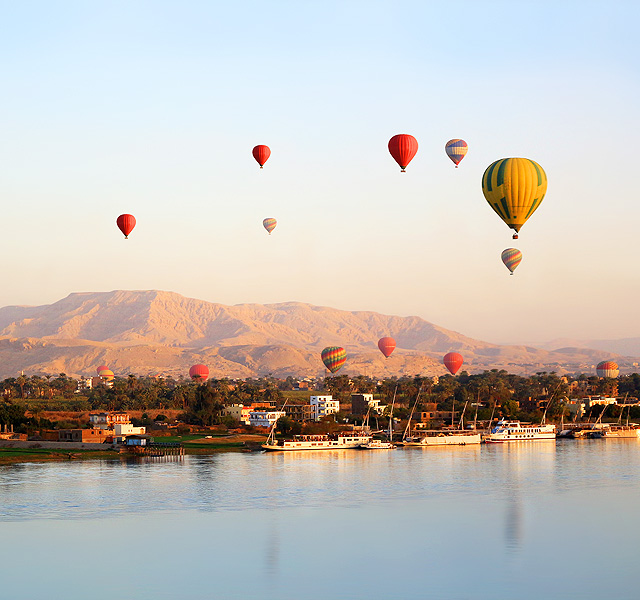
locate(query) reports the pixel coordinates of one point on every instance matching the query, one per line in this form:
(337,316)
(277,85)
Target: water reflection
(448,522)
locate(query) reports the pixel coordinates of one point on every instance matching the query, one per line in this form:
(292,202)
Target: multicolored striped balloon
(607,368)
(456,150)
(269,225)
(333,358)
(511,258)
(514,188)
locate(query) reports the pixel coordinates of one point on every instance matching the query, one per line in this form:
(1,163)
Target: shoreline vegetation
(194,413)
(193,444)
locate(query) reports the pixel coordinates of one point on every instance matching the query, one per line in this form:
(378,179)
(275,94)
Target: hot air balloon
(333,358)
(126,223)
(269,225)
(511,258)
(106,374)
(199,372)
(261,153)
(101,368)
(514,187)
(453,361)
(607,368)
(456,150)
(403,148)
(387,345)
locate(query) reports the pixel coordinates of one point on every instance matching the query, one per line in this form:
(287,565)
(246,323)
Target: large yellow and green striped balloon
(514,187)
(333,358)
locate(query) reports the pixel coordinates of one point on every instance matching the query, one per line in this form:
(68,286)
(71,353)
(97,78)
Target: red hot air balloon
(101,368)
(126,223)
(261,153)
(199,372)
(453,361)
(403,148)
(387,345)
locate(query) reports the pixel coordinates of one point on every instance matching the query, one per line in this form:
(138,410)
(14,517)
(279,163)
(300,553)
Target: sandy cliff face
(147,332)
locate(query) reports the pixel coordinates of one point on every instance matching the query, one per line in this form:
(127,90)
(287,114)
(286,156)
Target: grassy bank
(193,444)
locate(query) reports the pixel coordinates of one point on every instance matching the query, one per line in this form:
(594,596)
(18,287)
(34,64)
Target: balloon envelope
(101,368)
(511,258)
(333,358)
(199,372)
(126,223)
(270,225)
(456,150)
(453,361)
(403,148)
(514,188)
(607,368)
(261,153)
(106,374)
(387,345)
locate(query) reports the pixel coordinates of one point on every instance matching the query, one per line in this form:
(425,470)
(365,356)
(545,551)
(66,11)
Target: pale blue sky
(152,108)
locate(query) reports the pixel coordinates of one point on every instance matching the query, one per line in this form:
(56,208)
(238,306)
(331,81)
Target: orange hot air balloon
(261,153)
(199,372)
(101,368)
(403,148)
(126,223)
(453,361)
(106,374)
(386,345)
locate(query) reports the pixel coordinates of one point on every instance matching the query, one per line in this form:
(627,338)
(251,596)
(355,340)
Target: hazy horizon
(153,108)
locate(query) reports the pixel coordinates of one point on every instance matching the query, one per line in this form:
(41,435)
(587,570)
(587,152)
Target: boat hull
(446,440)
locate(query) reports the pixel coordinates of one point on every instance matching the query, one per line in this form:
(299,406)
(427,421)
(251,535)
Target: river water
(530,520)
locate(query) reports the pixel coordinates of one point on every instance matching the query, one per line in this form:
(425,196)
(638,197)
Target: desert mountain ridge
(158,332)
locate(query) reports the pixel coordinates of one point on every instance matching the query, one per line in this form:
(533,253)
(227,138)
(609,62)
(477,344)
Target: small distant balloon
(386,345)
(511,258)
(456,150)
(106,374)
(333,358)
(126,223)
(453,361)
(607,368)
(199,372)
(403,148)
(261,153)
(101,368)
(270,225)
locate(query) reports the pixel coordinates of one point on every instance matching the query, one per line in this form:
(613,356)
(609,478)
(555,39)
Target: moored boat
(621,432)
(514,431)
(339,441)
(442,438)
(377,445)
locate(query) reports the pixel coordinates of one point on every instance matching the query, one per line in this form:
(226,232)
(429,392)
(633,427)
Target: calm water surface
(552,520)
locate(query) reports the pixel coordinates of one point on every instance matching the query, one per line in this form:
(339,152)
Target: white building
(265,418)
(123,429)
(323,406)
(601,400)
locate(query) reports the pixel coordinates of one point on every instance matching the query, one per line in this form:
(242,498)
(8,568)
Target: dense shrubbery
(492,392)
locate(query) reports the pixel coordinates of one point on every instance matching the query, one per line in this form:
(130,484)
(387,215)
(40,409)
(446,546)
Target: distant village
(122,411)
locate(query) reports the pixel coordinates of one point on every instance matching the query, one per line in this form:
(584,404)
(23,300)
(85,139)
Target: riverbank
(14,451)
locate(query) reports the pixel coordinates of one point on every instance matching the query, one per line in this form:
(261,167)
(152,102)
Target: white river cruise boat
(339,441)
(514,431)
(442,438)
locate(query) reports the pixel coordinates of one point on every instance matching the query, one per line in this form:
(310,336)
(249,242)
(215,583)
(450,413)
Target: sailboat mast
(391,415)
(408,427)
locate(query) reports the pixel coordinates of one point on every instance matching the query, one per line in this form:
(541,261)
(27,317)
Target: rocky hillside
(163,332)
